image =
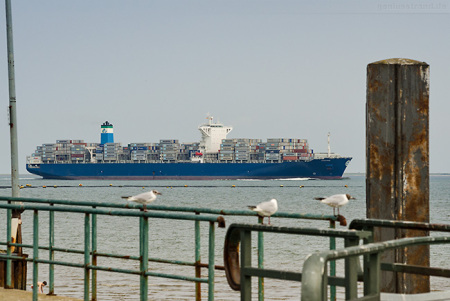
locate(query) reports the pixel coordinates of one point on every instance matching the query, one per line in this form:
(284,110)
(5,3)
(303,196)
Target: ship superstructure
(212,135)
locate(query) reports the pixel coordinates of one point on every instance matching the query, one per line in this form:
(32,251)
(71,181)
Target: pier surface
(20,295)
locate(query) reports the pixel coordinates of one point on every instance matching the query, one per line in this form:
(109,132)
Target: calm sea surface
(171,239)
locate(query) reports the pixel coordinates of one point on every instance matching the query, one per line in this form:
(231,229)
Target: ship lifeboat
(199,154)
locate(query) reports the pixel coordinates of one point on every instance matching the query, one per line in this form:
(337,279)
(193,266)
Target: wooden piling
(397,157)
(18,273)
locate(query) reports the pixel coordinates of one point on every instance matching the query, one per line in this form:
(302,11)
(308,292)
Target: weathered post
(397,157)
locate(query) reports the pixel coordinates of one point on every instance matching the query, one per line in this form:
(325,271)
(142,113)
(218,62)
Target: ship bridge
(212,135)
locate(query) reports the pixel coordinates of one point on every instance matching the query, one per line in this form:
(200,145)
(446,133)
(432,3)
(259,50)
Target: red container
(289,158)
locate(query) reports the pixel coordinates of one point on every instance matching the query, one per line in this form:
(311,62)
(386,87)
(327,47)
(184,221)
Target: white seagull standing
(266,208)
(336,201)
(143,198)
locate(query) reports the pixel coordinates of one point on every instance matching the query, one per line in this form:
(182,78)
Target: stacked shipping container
(138,151)
(169,150)
(287,149)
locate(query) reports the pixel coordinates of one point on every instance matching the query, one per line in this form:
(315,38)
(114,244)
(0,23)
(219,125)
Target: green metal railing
(238,238)
(93,210)
(90,253)
(315,279)
(370,224)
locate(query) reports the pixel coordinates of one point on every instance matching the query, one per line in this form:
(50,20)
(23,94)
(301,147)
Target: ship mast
(329,147)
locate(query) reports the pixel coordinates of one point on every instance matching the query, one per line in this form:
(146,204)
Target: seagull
(143,198)
(265,208)
(336,201)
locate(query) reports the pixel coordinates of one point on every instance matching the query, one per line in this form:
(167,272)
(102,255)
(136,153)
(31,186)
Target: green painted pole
(141,239)
(8,247)
(260,260)
(144,258)
(198,270)
(374,275)
(246,261)
(94,256)
(212,245)
(140,235)
(332,262)
(351,271)
(87,254)
(35,254)
(51,252)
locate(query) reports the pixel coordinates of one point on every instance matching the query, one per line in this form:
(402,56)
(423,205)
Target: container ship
(214,157)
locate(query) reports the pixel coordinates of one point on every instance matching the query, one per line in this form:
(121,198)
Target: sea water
(174,239)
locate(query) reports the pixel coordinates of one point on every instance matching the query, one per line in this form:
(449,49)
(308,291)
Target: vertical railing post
(87,254)
(8,247)
(35,254)
(246,261)
(51,252)
(260,260)
(351,272)
(198,269)
(211,260)
(325,284)
(94,256)
(144,258)
(332,262)
(372,275)
(366,262)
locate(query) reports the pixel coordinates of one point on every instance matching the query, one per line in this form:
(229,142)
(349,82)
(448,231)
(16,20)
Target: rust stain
(342,220)
(375,114)
(221,221)
(381,164)
(374,85)
(423,104)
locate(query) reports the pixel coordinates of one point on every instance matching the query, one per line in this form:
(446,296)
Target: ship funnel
(107,134)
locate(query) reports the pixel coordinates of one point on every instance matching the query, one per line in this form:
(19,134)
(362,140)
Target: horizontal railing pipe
(177,277)
(360,224)
(204,218)
(128,205)
(302,231)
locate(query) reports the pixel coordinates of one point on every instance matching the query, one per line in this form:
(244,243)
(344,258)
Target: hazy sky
(269,68)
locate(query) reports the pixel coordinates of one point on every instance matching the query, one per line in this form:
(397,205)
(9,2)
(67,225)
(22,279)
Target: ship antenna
(329,147)
(209,117)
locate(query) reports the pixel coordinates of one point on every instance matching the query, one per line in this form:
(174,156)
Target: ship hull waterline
(329,168)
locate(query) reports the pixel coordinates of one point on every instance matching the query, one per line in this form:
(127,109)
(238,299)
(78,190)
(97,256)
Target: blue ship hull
(330,168)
